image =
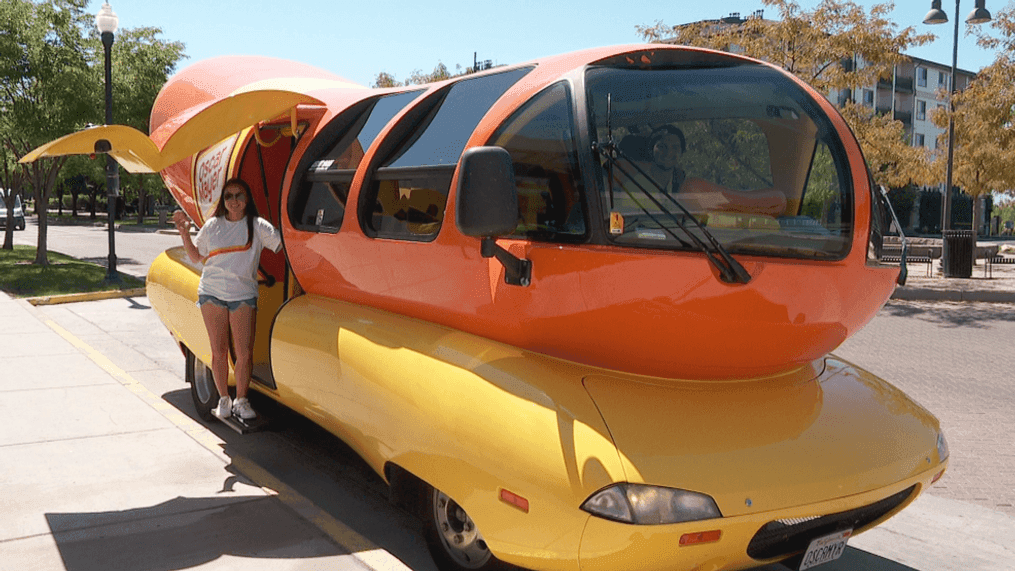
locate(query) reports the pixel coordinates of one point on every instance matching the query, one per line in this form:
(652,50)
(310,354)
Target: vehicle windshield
(740,148)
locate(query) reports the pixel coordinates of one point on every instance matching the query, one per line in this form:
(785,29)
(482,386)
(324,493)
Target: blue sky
(358,39)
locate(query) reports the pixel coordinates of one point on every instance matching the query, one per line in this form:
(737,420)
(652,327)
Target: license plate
(825,549)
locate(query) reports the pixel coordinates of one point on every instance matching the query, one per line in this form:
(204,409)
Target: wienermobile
(554,359)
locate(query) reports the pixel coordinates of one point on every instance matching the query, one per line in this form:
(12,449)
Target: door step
(242,426)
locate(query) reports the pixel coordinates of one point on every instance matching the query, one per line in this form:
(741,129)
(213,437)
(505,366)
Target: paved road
(135,250)
(958,361)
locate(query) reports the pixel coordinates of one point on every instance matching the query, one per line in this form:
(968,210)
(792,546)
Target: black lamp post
(936,15)
(106,21)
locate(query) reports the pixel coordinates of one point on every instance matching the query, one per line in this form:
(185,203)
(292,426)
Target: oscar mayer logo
(210,172)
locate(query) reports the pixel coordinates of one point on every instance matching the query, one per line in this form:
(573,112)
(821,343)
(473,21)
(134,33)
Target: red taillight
(515,500)
(700,537)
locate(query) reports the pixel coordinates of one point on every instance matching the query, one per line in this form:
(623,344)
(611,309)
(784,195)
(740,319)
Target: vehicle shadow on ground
(323,469)
(852,560)
(953,314)
(183,533)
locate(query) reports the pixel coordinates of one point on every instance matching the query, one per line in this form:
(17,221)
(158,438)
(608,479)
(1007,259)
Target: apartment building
(915,89)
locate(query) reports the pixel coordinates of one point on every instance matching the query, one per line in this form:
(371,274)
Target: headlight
(942,447)
(650,505)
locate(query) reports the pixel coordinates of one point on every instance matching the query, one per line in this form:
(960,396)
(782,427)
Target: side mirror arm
(517,271)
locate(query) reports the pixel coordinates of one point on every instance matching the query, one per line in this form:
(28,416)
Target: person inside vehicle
(229,245)
(665,147)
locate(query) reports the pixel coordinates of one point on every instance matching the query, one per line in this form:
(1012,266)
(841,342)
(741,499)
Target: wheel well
(405,489)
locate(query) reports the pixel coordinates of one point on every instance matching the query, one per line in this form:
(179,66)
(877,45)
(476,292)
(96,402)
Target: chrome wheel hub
(458,532)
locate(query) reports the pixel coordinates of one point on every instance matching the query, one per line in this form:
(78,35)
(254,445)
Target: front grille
(779,539)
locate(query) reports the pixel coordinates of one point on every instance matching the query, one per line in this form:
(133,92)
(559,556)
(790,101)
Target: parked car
(19,211)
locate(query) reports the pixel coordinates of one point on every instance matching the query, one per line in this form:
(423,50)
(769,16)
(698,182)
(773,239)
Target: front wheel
(454,541)
(202,387)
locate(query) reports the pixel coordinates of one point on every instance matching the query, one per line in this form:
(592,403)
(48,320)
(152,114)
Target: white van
(19,212)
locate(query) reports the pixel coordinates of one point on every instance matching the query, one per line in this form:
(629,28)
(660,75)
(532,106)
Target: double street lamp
(106,21)
(936,15)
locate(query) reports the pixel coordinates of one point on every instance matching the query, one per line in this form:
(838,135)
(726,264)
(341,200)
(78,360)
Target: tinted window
(408,194)
(320,201)
(540,139)
(467,101)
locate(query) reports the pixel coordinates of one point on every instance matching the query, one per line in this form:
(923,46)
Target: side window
(823,194)
(319,204)
(408,195)
(540,139)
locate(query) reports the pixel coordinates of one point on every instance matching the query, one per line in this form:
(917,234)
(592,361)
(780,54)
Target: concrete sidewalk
(99,472)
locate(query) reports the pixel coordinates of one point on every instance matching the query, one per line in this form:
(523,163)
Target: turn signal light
(700,537)
(938,476)
(515,500)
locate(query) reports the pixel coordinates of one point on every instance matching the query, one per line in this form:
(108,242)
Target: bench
(914,255)
(989,261)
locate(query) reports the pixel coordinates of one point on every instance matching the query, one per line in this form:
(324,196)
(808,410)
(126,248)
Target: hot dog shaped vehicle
(554,358)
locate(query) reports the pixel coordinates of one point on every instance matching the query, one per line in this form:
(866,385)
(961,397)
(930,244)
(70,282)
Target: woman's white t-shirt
(230,267)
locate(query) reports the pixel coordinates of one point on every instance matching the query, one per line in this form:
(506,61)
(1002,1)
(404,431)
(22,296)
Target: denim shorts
(230,305)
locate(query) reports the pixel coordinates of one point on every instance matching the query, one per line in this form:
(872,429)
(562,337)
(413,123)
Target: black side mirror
(487,201)
(486,206)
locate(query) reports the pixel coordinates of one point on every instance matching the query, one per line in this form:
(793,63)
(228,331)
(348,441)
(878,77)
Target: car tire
(202,387)
(454,541)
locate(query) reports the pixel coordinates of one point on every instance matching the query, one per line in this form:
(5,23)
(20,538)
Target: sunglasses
(235,196)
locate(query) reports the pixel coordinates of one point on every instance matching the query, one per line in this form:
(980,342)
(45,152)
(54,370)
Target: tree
(51,83)
(837,47)
(141,65)
(984,122)
(417,77)
(46,84)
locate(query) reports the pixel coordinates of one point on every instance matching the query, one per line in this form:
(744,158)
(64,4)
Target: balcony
(902,84)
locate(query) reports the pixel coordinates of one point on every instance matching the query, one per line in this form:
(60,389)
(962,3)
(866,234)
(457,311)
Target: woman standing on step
(229,245)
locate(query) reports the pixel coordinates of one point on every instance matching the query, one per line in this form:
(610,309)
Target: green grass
(64,275)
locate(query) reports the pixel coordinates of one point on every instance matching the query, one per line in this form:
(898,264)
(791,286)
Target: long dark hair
(251,210)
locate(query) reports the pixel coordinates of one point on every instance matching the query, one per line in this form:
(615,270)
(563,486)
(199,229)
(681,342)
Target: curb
(90,296)
(926,294)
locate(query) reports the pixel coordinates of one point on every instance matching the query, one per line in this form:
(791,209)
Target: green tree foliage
(45,86)
(834,47)
(51,83)
(418,77)
(984,117)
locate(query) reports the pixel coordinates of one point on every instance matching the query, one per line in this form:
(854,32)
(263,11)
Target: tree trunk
(141,199)
(45,179)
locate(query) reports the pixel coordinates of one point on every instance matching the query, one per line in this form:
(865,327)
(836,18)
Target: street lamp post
(106,21)
(936,15)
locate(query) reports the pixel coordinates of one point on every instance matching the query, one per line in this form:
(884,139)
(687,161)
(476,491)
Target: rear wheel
(455,542)
(202,387)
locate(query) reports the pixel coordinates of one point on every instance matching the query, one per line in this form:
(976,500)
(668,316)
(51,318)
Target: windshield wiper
(730,270)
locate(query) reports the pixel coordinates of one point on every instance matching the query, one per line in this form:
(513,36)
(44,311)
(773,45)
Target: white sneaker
(224,409)
(242,409)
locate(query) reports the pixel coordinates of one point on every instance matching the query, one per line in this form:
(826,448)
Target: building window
(868,98)
(918,140)
(942,80)
(921,110)
(921,76)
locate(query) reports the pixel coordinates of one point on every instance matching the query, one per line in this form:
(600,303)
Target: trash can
(957,253)
(163,215)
